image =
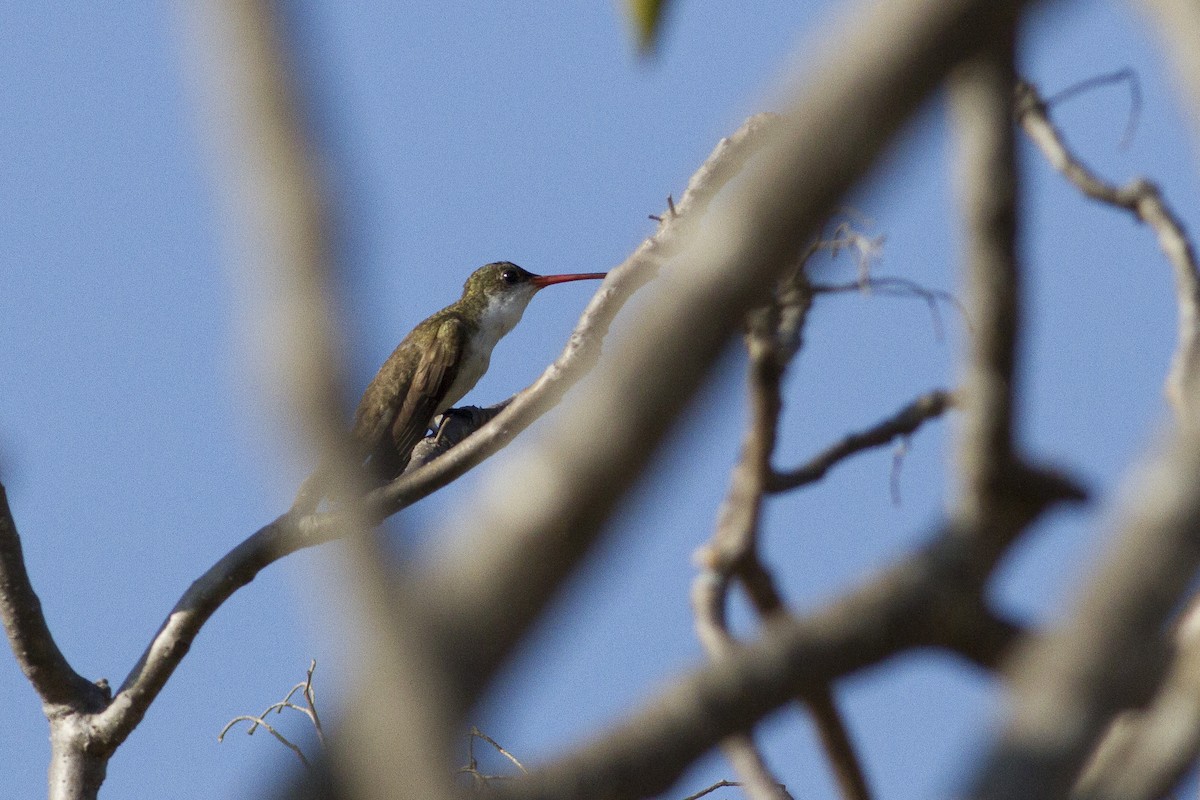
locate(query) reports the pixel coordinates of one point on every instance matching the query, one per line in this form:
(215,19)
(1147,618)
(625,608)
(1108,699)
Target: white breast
(501,316)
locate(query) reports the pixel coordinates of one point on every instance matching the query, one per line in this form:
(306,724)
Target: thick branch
(21,612)
(1111,652)
(1146,752)
(981,99)
(930,599)
(1144,200)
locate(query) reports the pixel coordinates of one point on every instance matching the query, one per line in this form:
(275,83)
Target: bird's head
(502,290)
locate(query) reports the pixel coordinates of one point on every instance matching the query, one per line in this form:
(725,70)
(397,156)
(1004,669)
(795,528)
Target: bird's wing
(432,379)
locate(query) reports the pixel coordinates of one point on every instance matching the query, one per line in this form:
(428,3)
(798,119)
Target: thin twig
(1143,199)
(310,700)
(255,723)
(472,766)
(893,286)
(1126,76)
(903,423)
(718,785)
(478,734)
(305,687)
(866,249)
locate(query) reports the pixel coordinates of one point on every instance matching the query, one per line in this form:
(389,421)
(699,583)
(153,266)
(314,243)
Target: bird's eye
(510,276)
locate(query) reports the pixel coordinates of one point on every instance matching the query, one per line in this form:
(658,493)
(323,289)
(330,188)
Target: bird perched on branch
(435,365)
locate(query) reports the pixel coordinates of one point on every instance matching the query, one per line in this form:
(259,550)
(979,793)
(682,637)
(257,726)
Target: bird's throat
(494,318)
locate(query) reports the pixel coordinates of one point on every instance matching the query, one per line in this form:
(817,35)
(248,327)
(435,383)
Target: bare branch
(478,734)
(981,101)
(1146,752)
(309,710)
(904,422)
(733,551)
(310,702)
(892,286)
(59,686)
(710,789)
(259,721)
(1111,653)
(930,599)
(1144,200)
(1126,76)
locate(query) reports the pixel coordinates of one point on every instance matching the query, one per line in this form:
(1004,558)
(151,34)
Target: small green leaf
(646,16)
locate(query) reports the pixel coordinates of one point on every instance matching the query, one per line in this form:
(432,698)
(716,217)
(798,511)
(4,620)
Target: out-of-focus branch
(981,101)
(876,70)
(1144,200)
(397,741)
(1145,753)
(1110,654)
(273,191)
(929,599)
(1179,24)
(57,684)
(904,422)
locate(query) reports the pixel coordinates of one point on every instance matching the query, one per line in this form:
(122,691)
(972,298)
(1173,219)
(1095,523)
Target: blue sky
(138,442)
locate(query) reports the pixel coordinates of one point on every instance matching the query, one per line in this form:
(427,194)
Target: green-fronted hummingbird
(437,363)
(441,360)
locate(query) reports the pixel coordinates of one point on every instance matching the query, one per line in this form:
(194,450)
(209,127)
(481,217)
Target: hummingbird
(437,363)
